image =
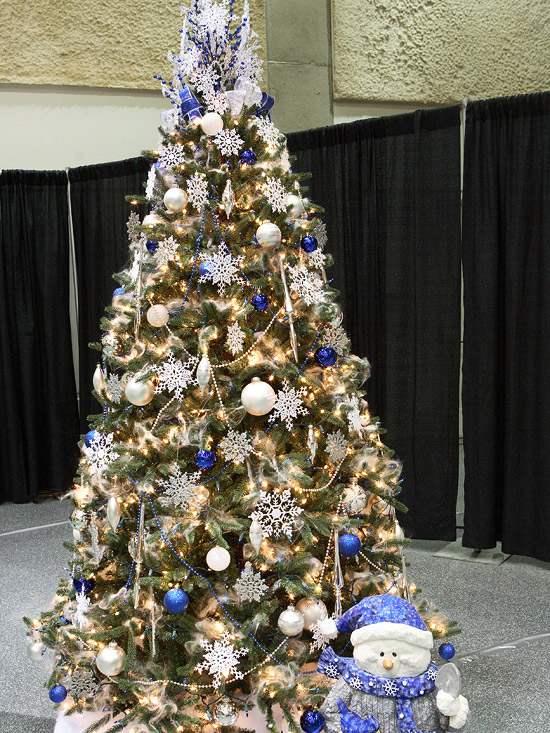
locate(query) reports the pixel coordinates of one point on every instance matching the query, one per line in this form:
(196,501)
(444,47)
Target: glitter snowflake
(235,339)
(270,134)
(320,234)
(317,258)
(100,452)
(337,446)
(320,641)
(133,226)
(151,181)
(356,683)
(229,142)
(83,604)
(275,194)
(355,420)
(276,513)
(180,488)
(197,190)
(335,335)
(221,659)
(174,376)
(289,405)
(109,340)
(390,688)
(236,447)
(216,101)
(166,250)
(171,155)
(250,586)
(83,684)
(204,79)
(114,388)
(222,269)
(308,285)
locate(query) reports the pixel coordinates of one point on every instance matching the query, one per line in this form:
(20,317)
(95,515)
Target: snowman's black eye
(393,654)
(381,654)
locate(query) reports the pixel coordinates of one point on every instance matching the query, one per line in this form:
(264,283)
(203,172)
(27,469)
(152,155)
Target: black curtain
(391,191)
(99,213)
(506,394)
(39,411)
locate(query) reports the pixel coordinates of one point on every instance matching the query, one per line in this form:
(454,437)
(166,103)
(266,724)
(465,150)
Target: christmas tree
(235,489)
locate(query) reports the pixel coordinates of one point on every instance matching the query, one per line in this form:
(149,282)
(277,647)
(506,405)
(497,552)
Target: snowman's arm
(455,708)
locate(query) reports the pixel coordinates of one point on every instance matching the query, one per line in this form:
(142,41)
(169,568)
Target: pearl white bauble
(139,393)
(296,205)
(313,610)
(151,220)
(110,660)
(98,379)
(218,559)
(158,315)
(291,622)
(36,650)
(175,199)
(258,398)
(354,499)
(268,234)
(212,123)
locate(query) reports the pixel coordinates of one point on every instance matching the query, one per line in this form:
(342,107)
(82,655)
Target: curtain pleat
(506,261)
(39,411)
(391,191)
(100,213)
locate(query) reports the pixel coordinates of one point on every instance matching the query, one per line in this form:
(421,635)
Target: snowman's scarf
(402,689)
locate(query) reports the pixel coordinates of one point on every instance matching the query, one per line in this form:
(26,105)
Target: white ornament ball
(212,123)
(98,379)
(110,660)
(313,610)
(354,499)
(258,398)
(296,205)
(268,234)
(218,559)
(139,393)
(158,316)
(36,650)
(175,199)
(226,713)
(291,622)
(151,220)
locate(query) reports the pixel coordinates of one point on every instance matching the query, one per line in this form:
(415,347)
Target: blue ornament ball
(152,245)
(204,268)
(118,292)
(81,585)
(312,721)
(309,243)
(447,651)
(260,302)
(248,157)
(57,693)
(90,435)
(176,600)
(349,544)
(325,356)
(64,620)
(205,459)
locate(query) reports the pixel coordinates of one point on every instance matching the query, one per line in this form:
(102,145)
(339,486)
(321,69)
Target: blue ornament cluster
(447,651)
(260,302)
(248,157)
(309,243)
(205,459)
(88,438)
(117,292)
(312,721)
(349,544)
(82,585)
(326,356)
(176,600)
(57,693)
(152,246)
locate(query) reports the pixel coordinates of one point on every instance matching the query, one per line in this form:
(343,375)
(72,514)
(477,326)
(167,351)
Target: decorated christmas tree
(234,491)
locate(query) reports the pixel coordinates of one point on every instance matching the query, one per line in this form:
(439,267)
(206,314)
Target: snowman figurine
(389,684)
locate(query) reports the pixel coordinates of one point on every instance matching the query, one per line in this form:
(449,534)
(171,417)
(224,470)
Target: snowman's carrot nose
(387,664)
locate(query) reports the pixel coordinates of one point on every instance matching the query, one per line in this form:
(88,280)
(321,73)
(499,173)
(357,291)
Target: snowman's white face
(387,658)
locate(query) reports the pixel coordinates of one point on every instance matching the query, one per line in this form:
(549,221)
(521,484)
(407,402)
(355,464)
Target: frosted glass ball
(268,234)
(110,660)
(313,610)
(151,220)
(212,123)
(158,316)
(175,199)
(258,398)
(218,559)
(139,393)
(291,622)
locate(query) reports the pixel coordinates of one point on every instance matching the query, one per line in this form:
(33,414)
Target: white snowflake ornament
(308,285)
(151,181)
(100,453)
(236,447)
(335,335)
(289,406)
(228,142)
(276,194)
(320,641)
(337,446)
(222,269)
(166,250)
(171,155)
(180,488)
(83,604)
(276,513)
(270,134)
(133,226)
(83,684)
(317,259)
(221,659)
(174,376)
(197,190)
(250,586)
(235,339)
(356,421)
(114,388)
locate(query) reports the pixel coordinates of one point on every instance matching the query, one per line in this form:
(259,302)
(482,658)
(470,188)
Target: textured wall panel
(100,43)
(439,51)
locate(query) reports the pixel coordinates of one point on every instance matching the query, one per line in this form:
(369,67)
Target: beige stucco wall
(103,43)
(439,51)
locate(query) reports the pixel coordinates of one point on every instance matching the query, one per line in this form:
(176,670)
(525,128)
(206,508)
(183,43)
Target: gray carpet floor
(509,693)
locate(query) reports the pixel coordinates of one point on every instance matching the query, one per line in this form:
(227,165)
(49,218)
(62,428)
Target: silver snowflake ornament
(221,659)
(228,142)
(171,155)
(320,641)
(337,446)
(320,234)
(197,190)
(166,250)
(221,268)
(83,684)
(179,488)
(100,453)
(276,194)
(151,182)
(276,513)
(174,375)
(335,335)
(114,388)
(236,447)
(270,134)
(288,405)
(235,339)
(133,226)
(250,586)
(317,258)
(308,285)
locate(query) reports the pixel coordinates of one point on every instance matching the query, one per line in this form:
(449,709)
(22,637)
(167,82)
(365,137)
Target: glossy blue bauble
(204,268)
(309,243)
(259,301)
(447,651)
(326,356)
(205,459)
(57,693)
(176,600)
(90,435)
(81,585)
(152,245)
(118,292)
(349,544)
(248,157)
(312,721)
(64,620)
